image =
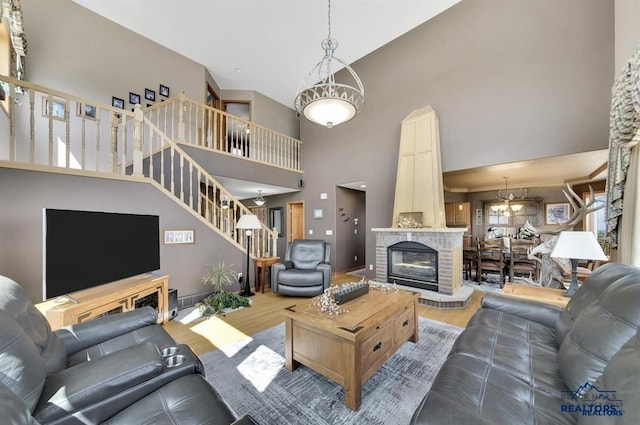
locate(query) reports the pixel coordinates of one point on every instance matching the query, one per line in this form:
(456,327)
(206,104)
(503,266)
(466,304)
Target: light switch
(328,232)
(323,195)
(355,231)
(311,231)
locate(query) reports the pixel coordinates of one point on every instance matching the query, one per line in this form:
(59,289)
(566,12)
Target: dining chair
(469,258)
(519,262)
(491,259)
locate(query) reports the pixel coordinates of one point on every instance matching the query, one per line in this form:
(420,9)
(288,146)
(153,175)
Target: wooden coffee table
(349,348)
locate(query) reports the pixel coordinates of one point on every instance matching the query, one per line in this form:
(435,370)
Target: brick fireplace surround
(448,243)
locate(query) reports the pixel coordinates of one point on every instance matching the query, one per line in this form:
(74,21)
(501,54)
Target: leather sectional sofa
(110,370)
(521,362)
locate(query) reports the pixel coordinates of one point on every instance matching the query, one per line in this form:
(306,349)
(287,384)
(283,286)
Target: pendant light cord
(329,19)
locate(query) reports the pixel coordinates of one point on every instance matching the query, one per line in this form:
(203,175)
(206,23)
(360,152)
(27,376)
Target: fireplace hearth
(413,264)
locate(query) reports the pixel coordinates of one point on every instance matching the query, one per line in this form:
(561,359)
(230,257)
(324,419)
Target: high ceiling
(273,43)
(546,172)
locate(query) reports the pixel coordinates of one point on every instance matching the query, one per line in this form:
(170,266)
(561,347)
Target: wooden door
(295,221)
(212,132)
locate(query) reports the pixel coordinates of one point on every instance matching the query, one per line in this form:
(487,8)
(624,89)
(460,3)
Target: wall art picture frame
(557,213)
(58,108)
(86,111)
(179,237)
(150,94)
(164,91)
(116,102)
(134,98)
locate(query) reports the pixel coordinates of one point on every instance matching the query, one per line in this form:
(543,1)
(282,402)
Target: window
(595,222)
(5,64)
(507,219)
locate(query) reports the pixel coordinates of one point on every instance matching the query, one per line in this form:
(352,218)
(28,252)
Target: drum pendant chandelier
(320,98)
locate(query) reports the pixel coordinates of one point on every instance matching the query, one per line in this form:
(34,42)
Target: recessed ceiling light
(363,185)
(238,70)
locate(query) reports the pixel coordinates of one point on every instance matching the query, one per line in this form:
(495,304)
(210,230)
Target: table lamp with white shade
(248,222)
(577,246)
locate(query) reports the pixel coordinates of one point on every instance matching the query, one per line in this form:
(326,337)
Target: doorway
(295,220)
(238,133)
(351,234)
(210,135)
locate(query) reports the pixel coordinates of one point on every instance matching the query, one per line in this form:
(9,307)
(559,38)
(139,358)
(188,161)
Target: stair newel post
(137,140)
(274,242)
(181,117)
(114,143)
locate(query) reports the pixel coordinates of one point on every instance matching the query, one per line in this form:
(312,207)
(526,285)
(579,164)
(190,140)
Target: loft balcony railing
(197,124)
(45,128)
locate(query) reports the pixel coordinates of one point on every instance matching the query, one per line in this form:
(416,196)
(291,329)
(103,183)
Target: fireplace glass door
(413,264)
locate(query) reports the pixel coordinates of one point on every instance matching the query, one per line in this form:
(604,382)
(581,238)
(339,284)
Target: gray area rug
(251,378)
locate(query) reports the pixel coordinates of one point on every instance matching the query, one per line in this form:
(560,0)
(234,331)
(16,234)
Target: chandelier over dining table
(508,197)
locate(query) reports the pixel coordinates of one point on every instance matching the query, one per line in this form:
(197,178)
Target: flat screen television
(85,248)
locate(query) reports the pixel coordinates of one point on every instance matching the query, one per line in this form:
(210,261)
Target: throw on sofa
(107,370)
(522,362)
(306,270)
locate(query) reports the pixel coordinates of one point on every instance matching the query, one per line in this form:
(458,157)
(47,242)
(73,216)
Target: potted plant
(220,277)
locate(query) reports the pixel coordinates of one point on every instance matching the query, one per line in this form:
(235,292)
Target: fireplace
(447,262)
(413,264)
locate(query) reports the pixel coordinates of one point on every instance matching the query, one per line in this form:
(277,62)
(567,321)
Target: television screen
(84,248)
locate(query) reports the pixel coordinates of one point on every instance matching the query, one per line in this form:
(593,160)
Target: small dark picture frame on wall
(150,94)
(134,99)
(116,102)
(164,91)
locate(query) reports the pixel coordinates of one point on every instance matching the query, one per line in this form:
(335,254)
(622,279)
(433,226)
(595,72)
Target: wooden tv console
(118,296)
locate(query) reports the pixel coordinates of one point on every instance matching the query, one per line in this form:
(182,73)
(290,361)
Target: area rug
(251,378)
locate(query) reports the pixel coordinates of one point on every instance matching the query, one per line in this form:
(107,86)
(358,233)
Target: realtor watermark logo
(588,400)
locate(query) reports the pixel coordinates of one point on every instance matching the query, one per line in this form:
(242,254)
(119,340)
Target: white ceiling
(276,42)
(243,189)
(545,172)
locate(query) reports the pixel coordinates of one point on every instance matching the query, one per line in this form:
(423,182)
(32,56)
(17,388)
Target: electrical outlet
(355,258)
(370,266)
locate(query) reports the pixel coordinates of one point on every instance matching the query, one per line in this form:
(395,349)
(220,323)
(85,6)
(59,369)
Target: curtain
(629,241)
(624,122)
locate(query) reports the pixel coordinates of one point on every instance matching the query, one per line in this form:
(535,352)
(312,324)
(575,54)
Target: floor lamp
(577,246)
(248,222)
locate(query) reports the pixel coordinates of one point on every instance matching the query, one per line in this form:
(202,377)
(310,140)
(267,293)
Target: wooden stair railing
(168,164)
(49,128)
(197,124)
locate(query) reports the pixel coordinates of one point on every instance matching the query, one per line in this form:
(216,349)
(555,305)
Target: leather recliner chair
(306,270)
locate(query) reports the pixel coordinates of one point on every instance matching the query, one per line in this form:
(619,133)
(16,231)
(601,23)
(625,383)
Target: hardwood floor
(207,334)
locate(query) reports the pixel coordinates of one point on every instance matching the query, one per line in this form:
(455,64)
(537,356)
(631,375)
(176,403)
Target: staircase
(49,130)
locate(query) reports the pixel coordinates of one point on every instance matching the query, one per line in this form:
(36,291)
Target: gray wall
(74,50)
(28,192)
(350,237)
(627,31)
(510,80)
(239,168)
